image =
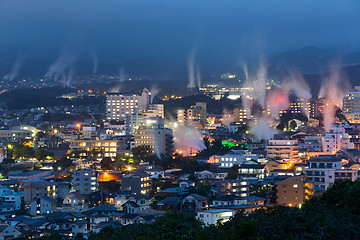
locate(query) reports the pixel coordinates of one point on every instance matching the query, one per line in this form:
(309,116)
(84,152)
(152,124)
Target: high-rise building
(132,122)
(158,138)
(154,110)
(351,105)
(120,104)
(195,116)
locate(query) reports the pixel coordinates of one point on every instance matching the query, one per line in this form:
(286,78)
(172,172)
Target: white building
(324,170)
(85,181)
(132,122)
(351,105)
(236,157)
(120,104)
(159,139)
(210,217)
(336,139)
(154,110)
(283,149)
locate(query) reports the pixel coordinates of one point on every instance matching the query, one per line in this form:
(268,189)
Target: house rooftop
(104,207)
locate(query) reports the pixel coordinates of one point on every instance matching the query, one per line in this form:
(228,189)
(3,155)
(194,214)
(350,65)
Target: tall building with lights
(158,138)
(351,105)
(195,116)
(120,104)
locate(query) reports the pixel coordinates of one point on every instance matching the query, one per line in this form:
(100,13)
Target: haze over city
(134,119)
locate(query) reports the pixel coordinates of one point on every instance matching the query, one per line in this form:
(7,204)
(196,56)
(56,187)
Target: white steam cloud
(63,66)
(333,89)
(95,62)
(154,91)
(261,128)
(187,140)
(15,70)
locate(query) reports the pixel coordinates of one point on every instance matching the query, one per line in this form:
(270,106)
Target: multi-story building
(239,187)
(137,183)
(85,181)
(120,104)
(36,189)
(133,121)
(240,115)
(304,106)
(351,105)
(181,116)
(236,157)
(286,150)
(336,138)
(195,116)
(324,170)
(293,191)
(105,148)
(158,138)
(154,110)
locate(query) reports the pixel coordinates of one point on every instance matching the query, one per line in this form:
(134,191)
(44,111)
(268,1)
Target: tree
(8,161)
(233,172)
(106,163)
(41,153)
(62,163)
(141,152)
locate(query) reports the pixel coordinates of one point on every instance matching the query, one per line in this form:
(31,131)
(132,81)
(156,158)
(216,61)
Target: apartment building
(120,104)
(283,149)
(85,181)
(324,170)
(158,138)
(293,191)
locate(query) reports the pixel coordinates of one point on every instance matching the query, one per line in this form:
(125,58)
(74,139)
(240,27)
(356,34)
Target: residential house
(42,205)
(213,216)
(218,174)
(8,232)
(75,202)
(195,202)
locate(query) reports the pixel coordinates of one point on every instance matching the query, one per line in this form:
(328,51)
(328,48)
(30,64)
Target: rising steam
(122,74)
(95,62)
(191,68)
(154,91)
(333,89)
(63,66)
(198,78)
(187,140)
(15,70)
(261,128)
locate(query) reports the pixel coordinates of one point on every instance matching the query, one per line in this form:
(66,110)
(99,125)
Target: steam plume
(95,61)
(122,73)
(15,70)
(278,99)
(63,65)
(227,117)
(333,89)
(188,139)
(198,78)
(261,128)
(154,91)
(191,68)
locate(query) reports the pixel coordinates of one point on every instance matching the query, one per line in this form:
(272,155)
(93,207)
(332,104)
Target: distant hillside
(311,60)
